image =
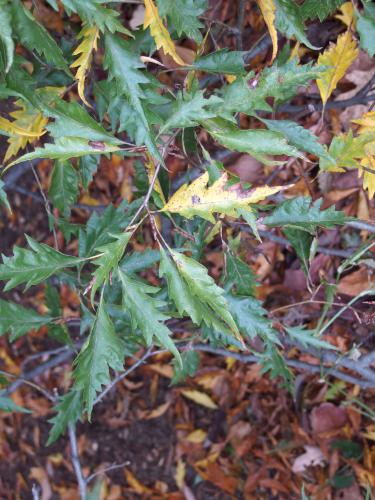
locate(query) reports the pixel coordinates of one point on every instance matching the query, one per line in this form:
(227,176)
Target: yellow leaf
(136,485)
(202,200)
(337,58)
(367,126)
(85,49)
(180,474)
(13,129)
(159,32)
(230,78)
(197,436)
(200,398)
(367,123)
(268,10)
(150,167)
(347,14)
(368,176)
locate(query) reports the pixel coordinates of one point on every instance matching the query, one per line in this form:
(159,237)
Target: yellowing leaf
(202,200)
(367,127)
(197,436)
(200,398)
(85,49)
(180,474)
(13,129)
(136,485)
(337,58)
(347,14)
(150,167)
(159,32)
(367,123)
(268,10)
(369,175)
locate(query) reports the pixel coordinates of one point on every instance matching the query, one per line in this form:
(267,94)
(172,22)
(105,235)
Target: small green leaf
(221,61)
(144,313)
(3,196)
(184,16)
(300,213)
(289,21)
(190,364)
(308,338)
(240,275)
(301,241)
(6,404)
(6,33)
(63,190)
(366,29)
(87,165)
(69,410)
(18,320)
(102,350)
(311,9)
(33,266)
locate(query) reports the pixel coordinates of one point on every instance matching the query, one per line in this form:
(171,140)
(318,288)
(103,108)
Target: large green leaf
(290,22)
(112,254)
(229,62)
(69,410)
(6,33)
(258,143)
(311,9)
(300,213)
(124,67)
(144,312)
(65,148)
(184,16)
(72,120)
(35,37)
(189,109)
(18,320)
(33,266)
(102,350)
(64,190)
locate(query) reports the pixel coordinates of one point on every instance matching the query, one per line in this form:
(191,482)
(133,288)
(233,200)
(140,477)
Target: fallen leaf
(200,398)
(157,412)
(180,474)
(327,417)
(197,436)
(312,457)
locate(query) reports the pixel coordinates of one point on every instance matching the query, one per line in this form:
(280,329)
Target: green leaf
(56,331)
(346,151)
(6,33)
(65,148)
(273,362)
(144,313)
(189,109)
(112,254)
(69,410)
(139,261)
(184,16)
(33,266)
(6,404)
(123,67)
(88,165)
(72,120)
(258,143)
(63,190)
(102,350)
(308,338)
(366,30)
(301,241)
(251,318)
(3,196)
(311,9)
(229,62)
(35,37)
(96,15)
(239,274)
(190,364)
(290,22)
(300,213)
(18,320)
(298,136)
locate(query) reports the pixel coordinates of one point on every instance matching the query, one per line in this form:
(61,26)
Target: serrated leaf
(289,21)
(239,274)
(12,128)
(200,199)
(63,190)
(34,265)
(311,9)
(366,30)
(8,405)
(112,254)
(159,32)
(123,67)
(190,364)
(6,33)
(346,151)
(268,9)
(257,143)
(346,15)
(139,261)
(337,58)
(298,136)
(65,148)
(35,37)
(301,241)
(18,320)
(230,62)
(300,213)
(57,331)
(144,313)
(193,300)
(102,350)
(3,197)
(84,51)
(87,165)
(72,120)
(189,109)
(69,409)
(184,16)
(308,338)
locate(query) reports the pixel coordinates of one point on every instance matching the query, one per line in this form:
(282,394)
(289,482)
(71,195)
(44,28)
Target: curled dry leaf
(313,457)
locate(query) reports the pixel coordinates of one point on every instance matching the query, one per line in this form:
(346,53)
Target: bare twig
(82,484)
(105,470)
(240,20)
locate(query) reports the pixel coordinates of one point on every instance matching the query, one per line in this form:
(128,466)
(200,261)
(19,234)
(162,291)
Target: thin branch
(105,470)
(82,485)
(240,20)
